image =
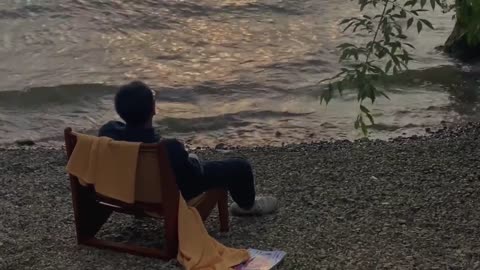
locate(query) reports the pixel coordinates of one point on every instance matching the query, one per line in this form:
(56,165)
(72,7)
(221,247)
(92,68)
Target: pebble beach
(407,203)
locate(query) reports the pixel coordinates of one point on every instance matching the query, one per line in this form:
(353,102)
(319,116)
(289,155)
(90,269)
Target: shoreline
(57,142)
(399,204)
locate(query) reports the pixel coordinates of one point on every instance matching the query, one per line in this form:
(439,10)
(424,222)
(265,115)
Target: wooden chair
(156,195)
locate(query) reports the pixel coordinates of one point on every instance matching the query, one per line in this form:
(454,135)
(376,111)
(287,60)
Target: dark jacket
(188,171)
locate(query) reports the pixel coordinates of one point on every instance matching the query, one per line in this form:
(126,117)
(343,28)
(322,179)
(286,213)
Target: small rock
(220,146)
(25,142)
(278,134)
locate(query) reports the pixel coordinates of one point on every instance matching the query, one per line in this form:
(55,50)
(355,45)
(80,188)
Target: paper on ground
(262,260)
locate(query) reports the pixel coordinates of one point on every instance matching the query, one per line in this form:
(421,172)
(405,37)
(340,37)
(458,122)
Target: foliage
(387,53)
(468,16)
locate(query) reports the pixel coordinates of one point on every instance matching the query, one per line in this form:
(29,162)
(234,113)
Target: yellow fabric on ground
(108,165)
(197,250)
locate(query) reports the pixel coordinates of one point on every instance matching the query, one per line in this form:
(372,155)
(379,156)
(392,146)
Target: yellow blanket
(111,167)
(108,165)
(197,250)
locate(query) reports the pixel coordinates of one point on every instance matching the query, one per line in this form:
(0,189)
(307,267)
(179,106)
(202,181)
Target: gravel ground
(411,203)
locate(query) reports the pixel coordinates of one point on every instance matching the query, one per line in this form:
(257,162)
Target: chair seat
(193,203)
(197,200)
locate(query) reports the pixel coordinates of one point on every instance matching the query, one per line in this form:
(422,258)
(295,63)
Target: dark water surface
(239,72)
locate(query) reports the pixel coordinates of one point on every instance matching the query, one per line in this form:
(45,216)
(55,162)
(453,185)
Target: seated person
(135,104)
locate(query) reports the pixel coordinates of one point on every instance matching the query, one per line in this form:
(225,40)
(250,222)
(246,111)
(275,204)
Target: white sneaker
(262,206)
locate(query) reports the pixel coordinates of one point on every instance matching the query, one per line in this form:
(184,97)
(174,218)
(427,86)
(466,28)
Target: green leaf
(393,50)
(427,23)
(433,3)
(423,3)
(345,55)
(367,113)
(340,88)
(395,70)
(345,45)
(360,23)
(363,126)
(419,26)
(409,45)
(390,10)
(364,109)
(383,94)
(371,93)
(409,22)
(398,28)
(370,117)
(388,66)
(355,54)
(409,3)
(327,94)
(348,26)
(363,5)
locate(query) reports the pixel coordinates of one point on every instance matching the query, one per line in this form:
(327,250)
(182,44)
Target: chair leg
(171,230)
(223,213)
(90,215)
(206,206)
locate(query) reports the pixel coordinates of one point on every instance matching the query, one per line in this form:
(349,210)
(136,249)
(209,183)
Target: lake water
(239,72)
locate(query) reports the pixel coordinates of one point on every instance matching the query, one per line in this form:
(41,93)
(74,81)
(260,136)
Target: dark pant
(234,175)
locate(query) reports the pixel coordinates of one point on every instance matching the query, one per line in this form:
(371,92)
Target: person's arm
(184,165)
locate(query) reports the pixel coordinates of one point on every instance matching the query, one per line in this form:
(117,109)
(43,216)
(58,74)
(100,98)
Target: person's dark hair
(134,102)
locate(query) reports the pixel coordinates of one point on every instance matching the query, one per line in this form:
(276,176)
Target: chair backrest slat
(148,184)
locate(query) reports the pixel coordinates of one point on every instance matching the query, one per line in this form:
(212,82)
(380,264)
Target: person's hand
(194,156)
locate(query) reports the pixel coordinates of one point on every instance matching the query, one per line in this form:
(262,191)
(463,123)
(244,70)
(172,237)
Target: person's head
(135,104)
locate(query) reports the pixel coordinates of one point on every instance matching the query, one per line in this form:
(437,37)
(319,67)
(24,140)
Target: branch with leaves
(387,53)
